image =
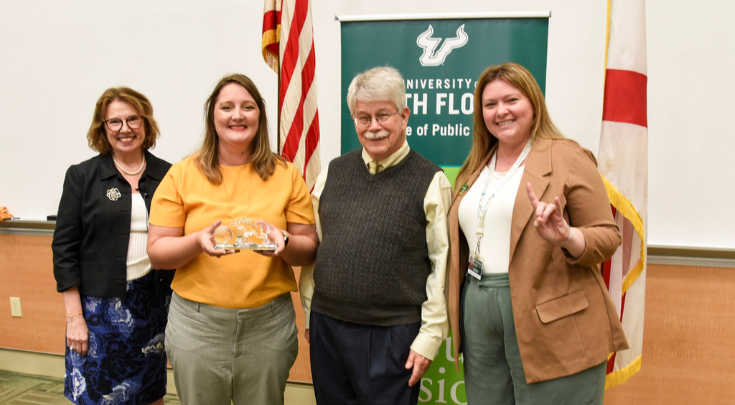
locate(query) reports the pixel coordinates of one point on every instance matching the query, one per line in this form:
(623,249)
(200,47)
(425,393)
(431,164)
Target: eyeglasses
(115,124)
(365,120)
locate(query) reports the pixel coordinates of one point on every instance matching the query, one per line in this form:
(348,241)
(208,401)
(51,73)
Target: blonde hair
(264,160)
(97,134)
(482,140)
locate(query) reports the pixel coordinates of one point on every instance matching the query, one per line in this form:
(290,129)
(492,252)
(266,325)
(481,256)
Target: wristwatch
(285,238)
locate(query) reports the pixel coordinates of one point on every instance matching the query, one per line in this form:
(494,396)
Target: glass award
(247,236)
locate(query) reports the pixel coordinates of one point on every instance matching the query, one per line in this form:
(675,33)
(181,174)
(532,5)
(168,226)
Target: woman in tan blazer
(529,223)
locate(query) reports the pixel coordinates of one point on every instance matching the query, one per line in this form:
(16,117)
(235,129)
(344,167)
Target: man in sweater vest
(374,299)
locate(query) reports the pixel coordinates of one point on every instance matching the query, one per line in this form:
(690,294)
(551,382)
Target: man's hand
(419,364)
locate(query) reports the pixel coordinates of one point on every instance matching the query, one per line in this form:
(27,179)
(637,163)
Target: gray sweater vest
(373,262)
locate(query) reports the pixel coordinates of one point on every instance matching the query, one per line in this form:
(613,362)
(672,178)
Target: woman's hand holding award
(248,236)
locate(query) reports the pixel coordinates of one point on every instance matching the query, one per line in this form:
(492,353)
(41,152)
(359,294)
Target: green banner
(440,61)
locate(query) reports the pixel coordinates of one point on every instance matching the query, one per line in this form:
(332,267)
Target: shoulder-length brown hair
(264,160)
(482,140)
(97,134)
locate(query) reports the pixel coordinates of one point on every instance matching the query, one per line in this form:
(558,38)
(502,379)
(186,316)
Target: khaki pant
(222,354)
(492,362)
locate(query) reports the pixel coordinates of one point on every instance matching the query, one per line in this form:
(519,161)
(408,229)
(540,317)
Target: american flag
(288,48)
(623,162)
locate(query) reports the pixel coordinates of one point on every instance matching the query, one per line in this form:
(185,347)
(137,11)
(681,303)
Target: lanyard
(482,206)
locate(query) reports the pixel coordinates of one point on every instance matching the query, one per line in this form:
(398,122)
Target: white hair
(377,84)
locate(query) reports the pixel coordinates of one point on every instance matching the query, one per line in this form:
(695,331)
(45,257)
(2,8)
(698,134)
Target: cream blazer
(564,318)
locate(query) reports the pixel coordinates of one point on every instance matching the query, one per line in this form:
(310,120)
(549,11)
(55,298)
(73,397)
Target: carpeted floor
(25,389)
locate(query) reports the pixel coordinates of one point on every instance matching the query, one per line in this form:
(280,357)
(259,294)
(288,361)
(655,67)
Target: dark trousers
(353,364)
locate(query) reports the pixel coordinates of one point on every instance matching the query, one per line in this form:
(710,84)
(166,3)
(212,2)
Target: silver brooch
(113,194)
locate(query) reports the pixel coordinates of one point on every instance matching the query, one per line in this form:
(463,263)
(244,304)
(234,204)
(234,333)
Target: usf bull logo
(432,57)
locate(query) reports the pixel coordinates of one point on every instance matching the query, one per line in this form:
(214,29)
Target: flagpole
(278,104)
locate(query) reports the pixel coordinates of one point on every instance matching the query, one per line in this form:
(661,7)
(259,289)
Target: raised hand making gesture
(551,226)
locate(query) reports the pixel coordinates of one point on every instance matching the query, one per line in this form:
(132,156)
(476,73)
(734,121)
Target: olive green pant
(492,362)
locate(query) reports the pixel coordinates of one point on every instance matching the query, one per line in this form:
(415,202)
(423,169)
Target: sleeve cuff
(426,346)
(586,255)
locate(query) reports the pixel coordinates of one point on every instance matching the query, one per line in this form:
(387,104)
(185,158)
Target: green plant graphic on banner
(440,60)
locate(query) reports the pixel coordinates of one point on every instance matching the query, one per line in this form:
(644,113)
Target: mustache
(383,133)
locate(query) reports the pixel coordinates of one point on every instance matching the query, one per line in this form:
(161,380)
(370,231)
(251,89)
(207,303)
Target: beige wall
(689,335)
(178,50)
(688,341)
(26,271)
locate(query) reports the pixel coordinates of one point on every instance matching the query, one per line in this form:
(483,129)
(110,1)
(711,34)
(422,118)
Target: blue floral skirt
(125,361)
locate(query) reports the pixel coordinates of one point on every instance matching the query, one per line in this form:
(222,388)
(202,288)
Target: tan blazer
(565,320)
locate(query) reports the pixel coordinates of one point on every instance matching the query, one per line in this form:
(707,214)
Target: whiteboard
(58,57)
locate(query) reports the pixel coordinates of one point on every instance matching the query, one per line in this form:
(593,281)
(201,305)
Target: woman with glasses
(232,335)
(529,223)
(116,305)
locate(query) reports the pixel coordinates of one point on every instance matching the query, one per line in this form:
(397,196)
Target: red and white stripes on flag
(623,163)
(288,48)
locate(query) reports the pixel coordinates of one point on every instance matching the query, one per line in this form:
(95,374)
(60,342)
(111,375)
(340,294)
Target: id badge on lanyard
(475,266)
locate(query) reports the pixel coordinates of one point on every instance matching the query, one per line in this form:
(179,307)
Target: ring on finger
(72,348)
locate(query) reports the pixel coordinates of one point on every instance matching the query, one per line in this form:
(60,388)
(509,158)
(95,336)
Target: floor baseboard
(52,365)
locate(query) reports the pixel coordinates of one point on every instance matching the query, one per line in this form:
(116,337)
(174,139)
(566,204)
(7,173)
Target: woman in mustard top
(232,333)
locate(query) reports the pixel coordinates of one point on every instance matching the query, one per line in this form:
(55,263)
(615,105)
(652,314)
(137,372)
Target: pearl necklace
(127,172)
